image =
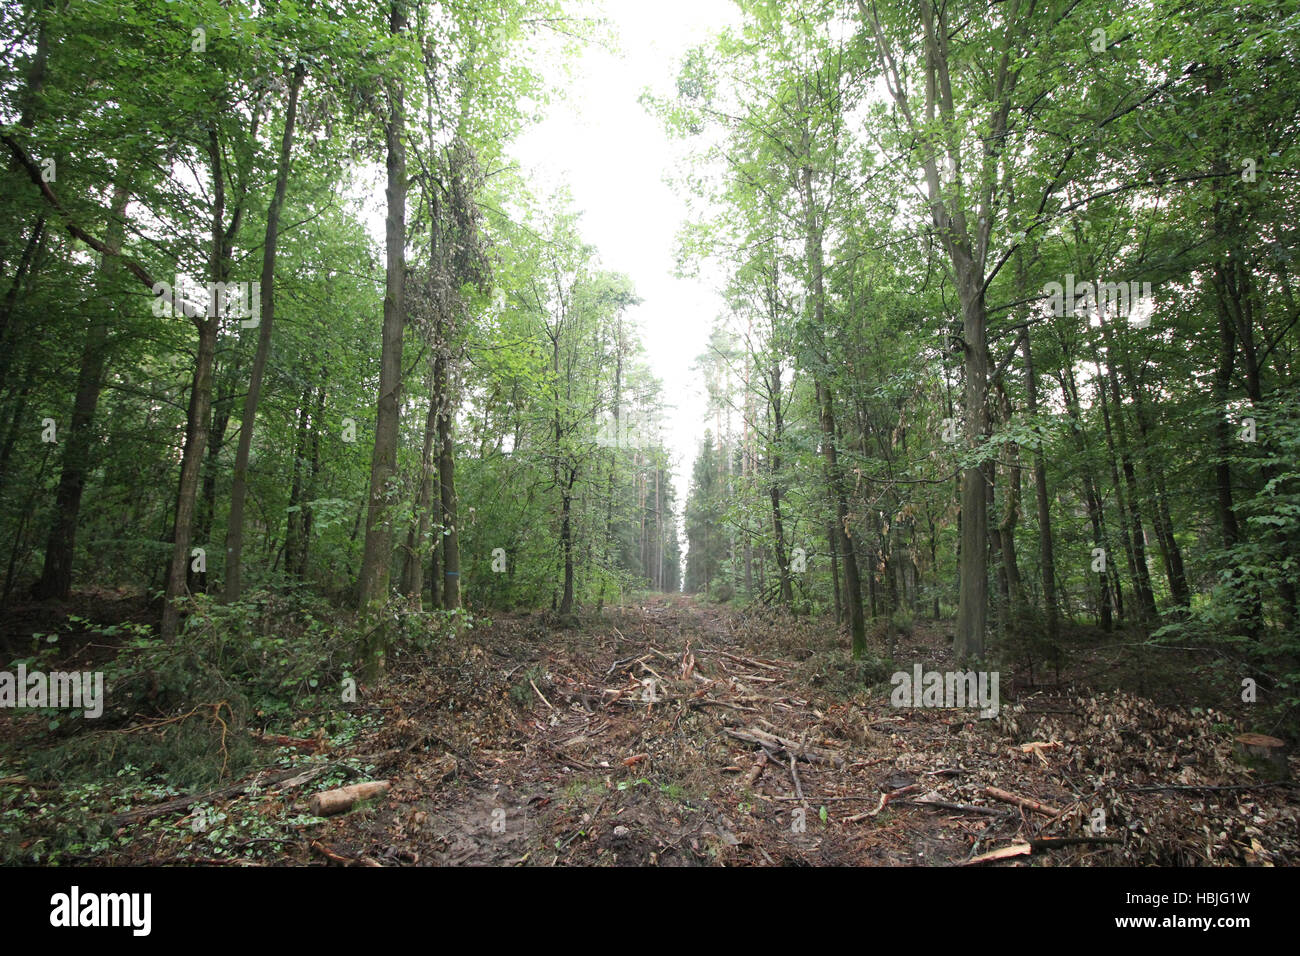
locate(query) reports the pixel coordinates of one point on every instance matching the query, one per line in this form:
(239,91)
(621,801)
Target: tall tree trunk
(1002,594)
(813,252)
(239,486)
(566,543)
(206,507)
(437,585)
(447,486)
(56,576)
(295,535)
(1170,553)
(199,412)
(8,330)
(657,559)
(1228,527)
(29,99)
(852,593)
(1011,514)
(377,555)
(833,540)
(972,595)
(774,488)
(16,421)
(1046,549)
(1091,497)
(1133,532)
(417,538)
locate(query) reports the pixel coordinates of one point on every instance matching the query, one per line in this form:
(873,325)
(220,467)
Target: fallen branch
(284,777)
(1038,843)
(710,702)
(885,799)
(540,694)
(755,771)
(623,661)
(1023,802)
(751,661)
(334,857)
(1002,853)
(306,776)
(571,761)
(791,747)
(1038,746)
(931,799)
(1049,843)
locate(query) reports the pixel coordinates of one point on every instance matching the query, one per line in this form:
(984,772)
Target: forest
(343,514)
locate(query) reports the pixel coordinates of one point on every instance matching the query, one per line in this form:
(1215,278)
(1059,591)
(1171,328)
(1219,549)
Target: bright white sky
(614,157)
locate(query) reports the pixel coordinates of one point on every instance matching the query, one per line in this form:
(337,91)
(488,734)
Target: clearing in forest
(676,733)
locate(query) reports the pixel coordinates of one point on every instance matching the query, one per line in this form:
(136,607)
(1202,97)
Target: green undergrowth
(184,717)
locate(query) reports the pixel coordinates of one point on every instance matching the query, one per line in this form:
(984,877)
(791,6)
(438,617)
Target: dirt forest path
(679,734)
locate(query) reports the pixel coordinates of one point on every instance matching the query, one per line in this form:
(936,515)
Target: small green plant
(521,692)
(901,622)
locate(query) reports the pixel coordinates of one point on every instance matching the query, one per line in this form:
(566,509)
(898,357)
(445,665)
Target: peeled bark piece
(1267,753)
(329,802)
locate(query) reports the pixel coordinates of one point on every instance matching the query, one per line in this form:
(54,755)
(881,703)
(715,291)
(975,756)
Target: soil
(675,733)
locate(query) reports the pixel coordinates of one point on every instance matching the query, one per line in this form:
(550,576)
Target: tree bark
(56,576)
(566,544)
(1132,532)
(1046,548)
(377,555)
(417,538)
(239,486)
(295,535)
(447,486)
(200,410)
(1091,497)
(774,488)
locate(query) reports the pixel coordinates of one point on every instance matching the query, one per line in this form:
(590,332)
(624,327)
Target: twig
(885,799)
(958,807)
(1048,843)
(540,694)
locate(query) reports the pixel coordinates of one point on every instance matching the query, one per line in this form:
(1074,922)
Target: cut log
(1266,753)
(329,802)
